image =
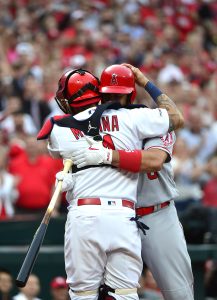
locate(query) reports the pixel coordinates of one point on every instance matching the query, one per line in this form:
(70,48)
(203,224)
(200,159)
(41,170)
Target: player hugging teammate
(107,205)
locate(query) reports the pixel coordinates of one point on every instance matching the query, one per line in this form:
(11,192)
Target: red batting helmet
(77,88)
(118,79)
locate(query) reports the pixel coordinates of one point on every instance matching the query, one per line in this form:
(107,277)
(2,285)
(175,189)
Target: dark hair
(4,270)
(18,112)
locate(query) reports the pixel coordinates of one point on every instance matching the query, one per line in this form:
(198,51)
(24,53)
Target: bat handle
(37,241)
(67,165)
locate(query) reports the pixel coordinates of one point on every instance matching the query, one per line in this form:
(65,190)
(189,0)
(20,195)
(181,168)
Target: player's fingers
(90,140)
(79,161)
(77,153)
(60,175)
(78,157)
(67,184)
(81,164)
(64,186)
(127,65)
(93,143)
(67,181)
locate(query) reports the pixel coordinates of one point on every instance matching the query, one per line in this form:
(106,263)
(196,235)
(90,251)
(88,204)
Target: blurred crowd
(174,42)
(57,290)
(58,287)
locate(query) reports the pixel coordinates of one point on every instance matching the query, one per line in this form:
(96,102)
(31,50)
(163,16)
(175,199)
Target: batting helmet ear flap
(77,88)
(61,92)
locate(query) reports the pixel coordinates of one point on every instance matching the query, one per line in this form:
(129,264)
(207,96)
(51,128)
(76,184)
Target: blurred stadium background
(174,42)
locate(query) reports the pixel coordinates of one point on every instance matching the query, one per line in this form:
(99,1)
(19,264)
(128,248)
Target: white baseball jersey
(100,239)
(120,129)
(158,187)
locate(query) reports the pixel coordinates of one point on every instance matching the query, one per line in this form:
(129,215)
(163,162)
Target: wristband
(153,91)
(130,160)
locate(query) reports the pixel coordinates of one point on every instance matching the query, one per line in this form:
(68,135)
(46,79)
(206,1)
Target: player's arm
(157,151)
(176,120)
(151,160)
(135,161)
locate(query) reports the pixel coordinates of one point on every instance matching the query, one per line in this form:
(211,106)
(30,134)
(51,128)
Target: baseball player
(99,236)
(164,248)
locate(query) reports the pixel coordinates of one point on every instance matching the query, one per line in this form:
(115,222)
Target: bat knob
(19,283)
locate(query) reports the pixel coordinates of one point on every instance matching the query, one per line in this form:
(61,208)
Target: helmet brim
(115,90)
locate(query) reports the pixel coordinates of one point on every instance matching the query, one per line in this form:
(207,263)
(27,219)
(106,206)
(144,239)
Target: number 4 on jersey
(108,142)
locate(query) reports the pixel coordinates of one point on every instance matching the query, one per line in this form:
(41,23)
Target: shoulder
(144,111)
(147,115)
(169,139)
(127,111)
(47,128)
(164,143)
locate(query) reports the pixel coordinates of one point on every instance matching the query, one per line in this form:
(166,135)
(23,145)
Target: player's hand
(68,181)
(140,78)
(95,154)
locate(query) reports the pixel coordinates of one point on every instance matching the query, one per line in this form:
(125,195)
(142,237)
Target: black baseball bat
(38,238)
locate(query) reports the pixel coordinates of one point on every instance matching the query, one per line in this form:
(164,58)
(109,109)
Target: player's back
(120,129)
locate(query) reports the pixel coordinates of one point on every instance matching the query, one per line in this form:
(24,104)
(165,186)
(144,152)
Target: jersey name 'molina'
(108,124)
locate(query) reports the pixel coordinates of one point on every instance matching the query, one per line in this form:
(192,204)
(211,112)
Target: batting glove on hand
(68,181)
(95,155)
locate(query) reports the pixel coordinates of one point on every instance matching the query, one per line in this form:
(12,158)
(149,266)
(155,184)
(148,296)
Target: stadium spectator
(9,105)
(31,289)
(37,177)
(14,121)
(6,284)
(34,104)
(211,280)
(8,183)
(210,188)
(186,173)
(59,288)
(195,134)
(211,142)
(148,287)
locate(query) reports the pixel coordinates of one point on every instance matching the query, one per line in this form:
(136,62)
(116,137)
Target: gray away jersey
(158,187)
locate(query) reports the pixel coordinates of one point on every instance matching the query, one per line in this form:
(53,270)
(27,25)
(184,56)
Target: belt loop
(157,207)
(143,211)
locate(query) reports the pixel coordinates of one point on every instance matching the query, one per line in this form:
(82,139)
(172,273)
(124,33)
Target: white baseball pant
(102,245)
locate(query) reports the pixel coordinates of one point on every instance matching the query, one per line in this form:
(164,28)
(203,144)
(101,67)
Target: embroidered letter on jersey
(109,123)
(77,133)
